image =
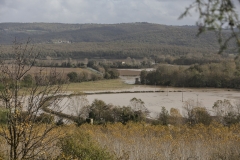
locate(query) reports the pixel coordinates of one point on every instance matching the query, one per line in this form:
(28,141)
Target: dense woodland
(112,41)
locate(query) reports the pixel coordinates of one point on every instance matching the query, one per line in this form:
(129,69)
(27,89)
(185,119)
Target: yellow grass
(102,85)
(143,141)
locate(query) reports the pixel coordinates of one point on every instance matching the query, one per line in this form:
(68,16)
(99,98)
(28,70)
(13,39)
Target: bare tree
(28,131)
(222,108)
(196,113)
(188,110)
(217,15)
(138,105)
(79,107)
(226,112)
(237,106)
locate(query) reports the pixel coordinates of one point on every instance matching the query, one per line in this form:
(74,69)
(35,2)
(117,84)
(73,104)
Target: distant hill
(130,32)
(108,38)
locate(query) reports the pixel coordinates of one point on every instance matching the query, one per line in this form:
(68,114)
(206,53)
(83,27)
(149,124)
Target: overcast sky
(95,11)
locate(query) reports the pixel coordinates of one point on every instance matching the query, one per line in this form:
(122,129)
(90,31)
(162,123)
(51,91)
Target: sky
(96,11)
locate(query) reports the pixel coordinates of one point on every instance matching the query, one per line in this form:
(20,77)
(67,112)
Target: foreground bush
(79,145)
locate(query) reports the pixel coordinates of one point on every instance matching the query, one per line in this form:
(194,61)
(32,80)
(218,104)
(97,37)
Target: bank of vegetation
(218,75)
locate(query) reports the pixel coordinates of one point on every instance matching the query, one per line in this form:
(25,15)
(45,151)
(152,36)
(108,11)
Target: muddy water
(154,101)
(165,96)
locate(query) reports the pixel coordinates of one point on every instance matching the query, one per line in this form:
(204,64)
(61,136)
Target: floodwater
(157,97)
(169,99)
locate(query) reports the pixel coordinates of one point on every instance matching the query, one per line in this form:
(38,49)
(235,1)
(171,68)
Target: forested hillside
(130,32)
(137,40)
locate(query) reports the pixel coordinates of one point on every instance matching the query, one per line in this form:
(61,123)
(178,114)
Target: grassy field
(98,85)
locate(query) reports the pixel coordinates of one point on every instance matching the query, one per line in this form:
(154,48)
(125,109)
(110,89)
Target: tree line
(219,75)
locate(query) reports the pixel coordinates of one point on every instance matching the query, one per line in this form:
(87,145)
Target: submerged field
(156,100)
(154,97)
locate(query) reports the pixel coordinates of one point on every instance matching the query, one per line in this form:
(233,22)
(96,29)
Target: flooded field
(167,97)
(155,97)
(154,101)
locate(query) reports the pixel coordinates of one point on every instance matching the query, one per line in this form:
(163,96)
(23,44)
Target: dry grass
(49,148)
(142,141)
(102,85)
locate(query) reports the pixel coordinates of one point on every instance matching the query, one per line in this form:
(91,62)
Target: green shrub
(79,145)
(164,116)
(73,76)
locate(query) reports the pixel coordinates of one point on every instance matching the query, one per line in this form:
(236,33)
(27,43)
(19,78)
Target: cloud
(94,11)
